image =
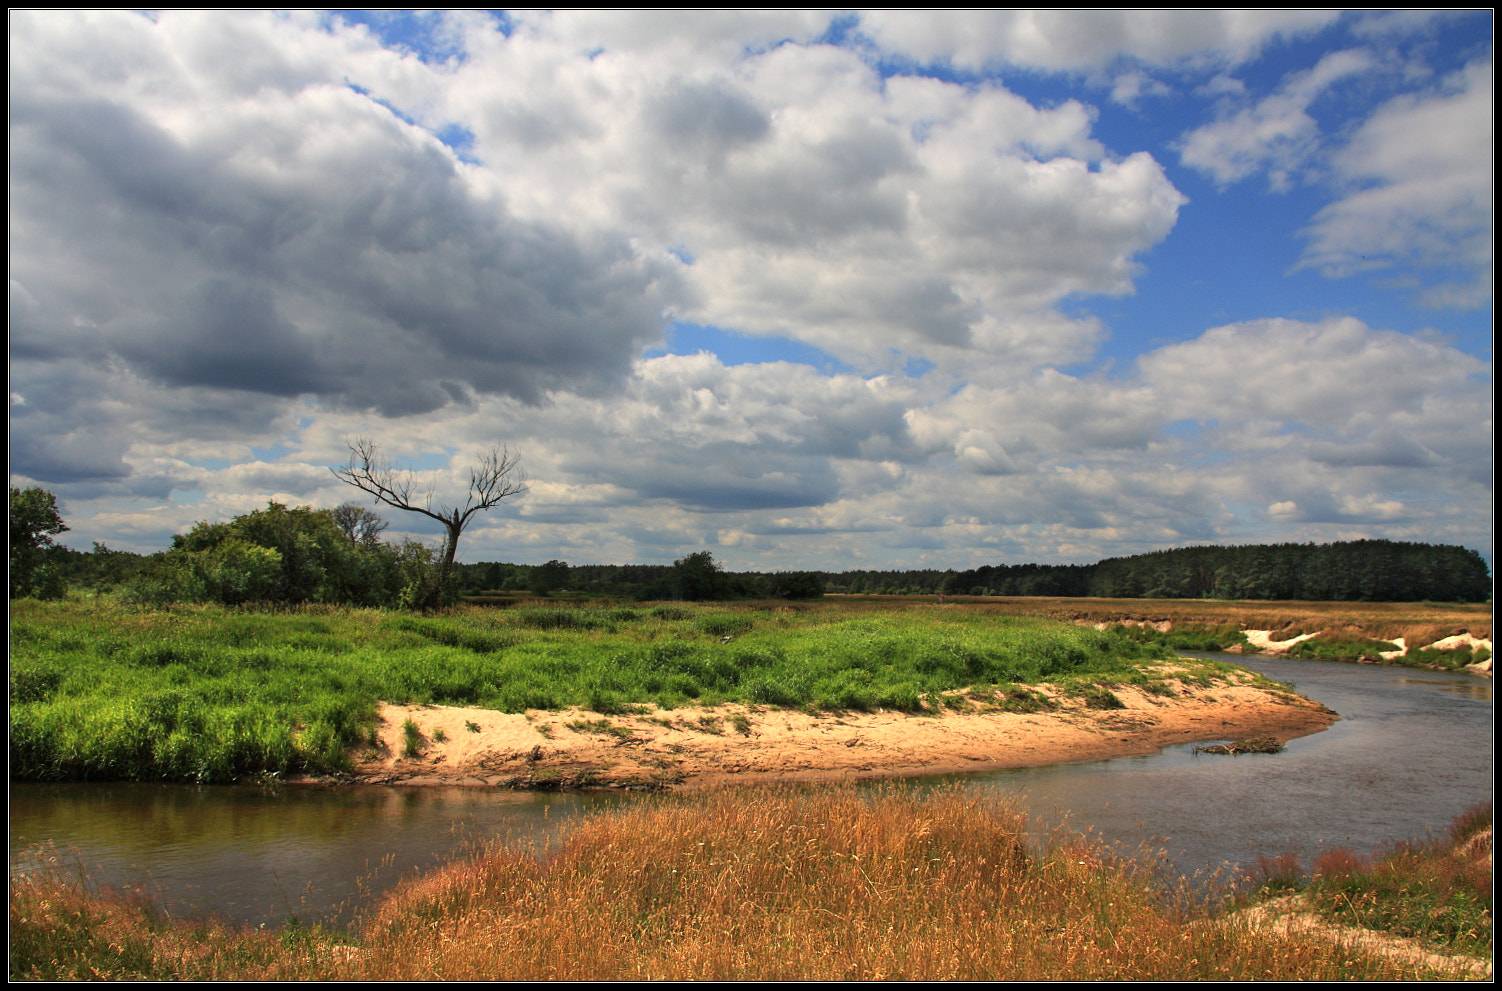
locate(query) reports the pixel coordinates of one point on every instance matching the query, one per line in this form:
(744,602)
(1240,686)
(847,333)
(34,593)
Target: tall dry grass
(741,884)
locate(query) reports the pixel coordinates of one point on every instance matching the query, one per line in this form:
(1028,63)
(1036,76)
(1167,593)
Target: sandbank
(693,747)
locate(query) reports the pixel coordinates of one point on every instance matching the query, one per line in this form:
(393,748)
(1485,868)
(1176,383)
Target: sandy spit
(699,747)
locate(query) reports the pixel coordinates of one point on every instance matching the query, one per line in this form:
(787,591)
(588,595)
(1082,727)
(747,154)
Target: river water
(1412,750)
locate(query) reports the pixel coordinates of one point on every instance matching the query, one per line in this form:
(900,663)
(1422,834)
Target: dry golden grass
(739,884)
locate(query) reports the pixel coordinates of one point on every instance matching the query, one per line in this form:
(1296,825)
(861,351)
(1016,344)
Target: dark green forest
(1350,571)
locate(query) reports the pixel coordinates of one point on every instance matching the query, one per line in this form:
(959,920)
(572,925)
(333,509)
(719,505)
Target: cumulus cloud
(1334,406)
(254,224)
(1421,172)
(1276,134)
(285,223)
(816,199)
(1318,374)
(844,469)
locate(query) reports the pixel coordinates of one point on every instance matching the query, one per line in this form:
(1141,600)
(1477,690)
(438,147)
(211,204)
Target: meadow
(799,884)
(1343,631)
(105,691)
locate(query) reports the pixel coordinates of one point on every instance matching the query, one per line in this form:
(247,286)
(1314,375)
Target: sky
(821,289)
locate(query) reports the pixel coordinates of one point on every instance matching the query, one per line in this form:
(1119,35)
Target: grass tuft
(411,739)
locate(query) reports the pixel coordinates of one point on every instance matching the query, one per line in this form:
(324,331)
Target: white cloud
(1422,171)
(1085,39)
(816,199)
(1130,88)
(260,227)
(1277,134)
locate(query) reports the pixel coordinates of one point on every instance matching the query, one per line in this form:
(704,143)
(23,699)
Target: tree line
(695,577)
(1360,570)
(286,554)
(1346,571)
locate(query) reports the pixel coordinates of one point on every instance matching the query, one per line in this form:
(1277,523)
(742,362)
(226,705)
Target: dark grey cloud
(322,247)
(707,118)
(1387,450)
(728,489)
(49,449)
(225,334)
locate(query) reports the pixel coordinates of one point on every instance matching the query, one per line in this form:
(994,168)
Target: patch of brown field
(1417,623)
(657,749)
(1380,620)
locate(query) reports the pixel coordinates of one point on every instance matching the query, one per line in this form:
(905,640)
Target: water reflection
(260,854)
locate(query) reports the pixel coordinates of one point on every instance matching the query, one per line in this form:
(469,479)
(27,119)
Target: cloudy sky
(826,289)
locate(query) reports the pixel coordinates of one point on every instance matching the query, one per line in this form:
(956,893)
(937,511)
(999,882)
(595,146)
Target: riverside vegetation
(1438,892)
(785,884)
(107,691)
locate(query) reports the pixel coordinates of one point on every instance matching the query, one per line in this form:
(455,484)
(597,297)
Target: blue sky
(803,288)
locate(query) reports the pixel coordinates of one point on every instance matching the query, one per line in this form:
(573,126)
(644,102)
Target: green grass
(105,691)
(411,739)
(1339,646)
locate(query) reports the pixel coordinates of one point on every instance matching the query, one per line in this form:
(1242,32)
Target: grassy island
(101,690)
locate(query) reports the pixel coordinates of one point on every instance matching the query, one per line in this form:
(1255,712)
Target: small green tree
(274,554)
(426,584)
(548,577)
(698,577)
(34,521)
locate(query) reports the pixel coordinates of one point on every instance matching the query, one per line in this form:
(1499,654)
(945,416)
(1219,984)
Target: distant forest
(1361,570)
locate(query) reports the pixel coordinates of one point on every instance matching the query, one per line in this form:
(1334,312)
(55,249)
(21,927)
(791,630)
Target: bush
(795,585)
(284,556)
(424,585)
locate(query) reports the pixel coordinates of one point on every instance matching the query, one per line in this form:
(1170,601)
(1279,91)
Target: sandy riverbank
(696,747)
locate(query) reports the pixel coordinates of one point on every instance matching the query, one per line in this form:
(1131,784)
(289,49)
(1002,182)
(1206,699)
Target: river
(1412,750)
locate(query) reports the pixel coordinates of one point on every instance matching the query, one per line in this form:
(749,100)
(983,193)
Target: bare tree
(362,526)
(497,475)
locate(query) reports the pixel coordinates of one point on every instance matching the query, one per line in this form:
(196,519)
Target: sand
(699,747)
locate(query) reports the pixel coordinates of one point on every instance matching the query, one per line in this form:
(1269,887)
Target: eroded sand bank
(695,747)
